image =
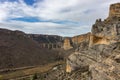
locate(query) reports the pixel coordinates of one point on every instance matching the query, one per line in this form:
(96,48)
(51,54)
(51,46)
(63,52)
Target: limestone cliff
(75,41)
(47,41)
(67,44)
(101,53)
(114,10)
(107,31)
(103,32)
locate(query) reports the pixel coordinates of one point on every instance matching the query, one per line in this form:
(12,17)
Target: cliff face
(107,31)
(48,41)
(75,41)
(67,44)
(101,53)
(80,38)
(114,10)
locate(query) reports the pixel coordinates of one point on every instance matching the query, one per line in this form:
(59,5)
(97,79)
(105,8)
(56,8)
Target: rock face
(48,41)
(75,41)
(107,31)
(67,44)
(101,53)
(114,10)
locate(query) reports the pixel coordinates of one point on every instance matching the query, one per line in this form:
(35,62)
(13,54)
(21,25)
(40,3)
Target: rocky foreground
(101,55)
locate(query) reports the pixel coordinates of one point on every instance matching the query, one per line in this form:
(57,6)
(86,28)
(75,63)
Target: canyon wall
(48,41)
(101,53)
(75,41)
(67,44)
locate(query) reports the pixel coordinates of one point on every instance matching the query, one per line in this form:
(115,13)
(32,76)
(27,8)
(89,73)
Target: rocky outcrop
(99,54)
(67,44)
(114,10)
(74,42)
(107,31)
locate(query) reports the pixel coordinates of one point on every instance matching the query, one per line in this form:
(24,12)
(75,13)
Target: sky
(53,17)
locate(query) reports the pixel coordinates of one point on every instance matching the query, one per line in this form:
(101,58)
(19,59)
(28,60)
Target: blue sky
(55,17)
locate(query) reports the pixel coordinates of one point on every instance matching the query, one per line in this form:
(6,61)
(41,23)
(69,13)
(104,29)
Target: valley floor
(25,73)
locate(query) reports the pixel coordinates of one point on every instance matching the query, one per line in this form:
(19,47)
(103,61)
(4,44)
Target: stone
(75,41)
(67,44)
(100,54)
(114,10)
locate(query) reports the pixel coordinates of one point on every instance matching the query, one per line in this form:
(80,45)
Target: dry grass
(25,72)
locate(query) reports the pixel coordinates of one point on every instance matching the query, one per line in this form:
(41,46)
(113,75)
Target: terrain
(96,57)
(91,56)
(18,50)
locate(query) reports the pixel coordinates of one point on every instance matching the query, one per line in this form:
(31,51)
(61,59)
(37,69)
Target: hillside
(18,50)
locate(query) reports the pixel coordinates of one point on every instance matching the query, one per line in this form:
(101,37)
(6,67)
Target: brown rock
(81,38)
(114,10)
(75,41)
(102,55)
(67,44)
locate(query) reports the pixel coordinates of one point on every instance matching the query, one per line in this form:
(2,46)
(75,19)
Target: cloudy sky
(59,17)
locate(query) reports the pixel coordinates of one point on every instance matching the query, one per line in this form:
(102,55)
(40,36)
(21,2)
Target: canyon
(91,56)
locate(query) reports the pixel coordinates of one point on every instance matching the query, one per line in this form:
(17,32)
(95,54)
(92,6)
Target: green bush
(34,77)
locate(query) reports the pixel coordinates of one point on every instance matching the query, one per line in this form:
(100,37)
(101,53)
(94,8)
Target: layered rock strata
(101,54)
(74,42)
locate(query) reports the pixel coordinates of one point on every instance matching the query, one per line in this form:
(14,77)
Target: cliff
(114,10)
(67,44)
(101,55)
(75,41)
(48,41)
(96,55)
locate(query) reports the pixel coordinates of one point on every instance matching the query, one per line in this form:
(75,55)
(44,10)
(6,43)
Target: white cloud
(82,11)
(42,27)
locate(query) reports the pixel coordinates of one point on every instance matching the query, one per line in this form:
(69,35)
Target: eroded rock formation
(67,44)
(114,10)
(101,53)
(75,41)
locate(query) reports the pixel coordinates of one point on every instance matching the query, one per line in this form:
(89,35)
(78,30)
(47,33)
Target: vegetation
(34,77)
(27,72)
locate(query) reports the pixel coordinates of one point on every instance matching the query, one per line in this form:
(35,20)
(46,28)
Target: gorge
(91,56)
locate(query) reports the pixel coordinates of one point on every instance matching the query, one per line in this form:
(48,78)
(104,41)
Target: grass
(26,72)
